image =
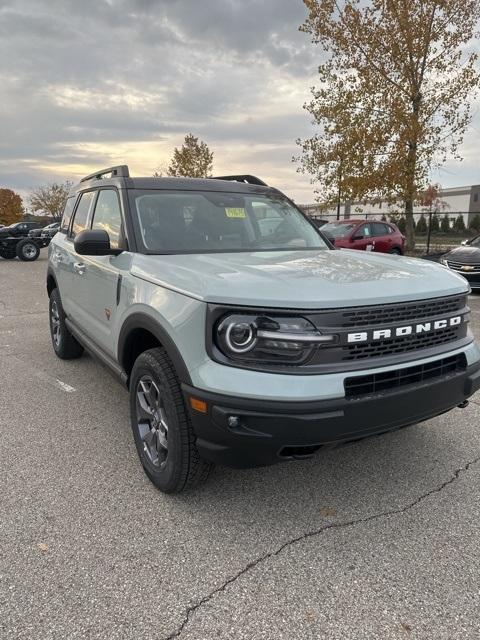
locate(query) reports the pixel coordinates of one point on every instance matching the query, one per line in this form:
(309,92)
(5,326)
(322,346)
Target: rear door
(382,237)
(101,276)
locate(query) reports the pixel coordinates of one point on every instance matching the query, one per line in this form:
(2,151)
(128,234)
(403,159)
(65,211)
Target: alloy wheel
(55,321)
(152,421)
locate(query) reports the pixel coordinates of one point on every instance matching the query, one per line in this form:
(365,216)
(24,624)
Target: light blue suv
(243,336)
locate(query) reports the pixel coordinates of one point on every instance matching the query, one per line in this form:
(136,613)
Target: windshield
(205,221)
(337,230)
(475,242)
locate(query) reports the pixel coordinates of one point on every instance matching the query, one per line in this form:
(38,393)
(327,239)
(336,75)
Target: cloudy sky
(90,83)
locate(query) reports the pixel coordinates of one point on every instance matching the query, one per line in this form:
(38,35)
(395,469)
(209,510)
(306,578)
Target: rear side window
(81,214)
(107,215)
(67,213)
(380,229)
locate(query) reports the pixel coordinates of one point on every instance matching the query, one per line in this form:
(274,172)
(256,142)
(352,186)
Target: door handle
(79,268)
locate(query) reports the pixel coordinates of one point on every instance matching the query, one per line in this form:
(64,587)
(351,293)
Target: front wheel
(64,344)
(27,250)
(161,425)
(395,251)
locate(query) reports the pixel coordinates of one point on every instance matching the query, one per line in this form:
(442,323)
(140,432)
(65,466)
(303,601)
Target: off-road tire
(183,467)
(8,255)
(27,250)
(66,346)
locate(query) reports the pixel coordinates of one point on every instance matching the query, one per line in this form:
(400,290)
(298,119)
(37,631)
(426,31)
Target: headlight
(444,262)
(273,339)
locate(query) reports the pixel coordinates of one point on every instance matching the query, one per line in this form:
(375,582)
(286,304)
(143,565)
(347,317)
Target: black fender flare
(143,321)
(51,274)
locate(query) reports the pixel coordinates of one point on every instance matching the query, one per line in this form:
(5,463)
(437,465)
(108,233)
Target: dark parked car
(466,261)
(373,235)
(18,229)
(49,231)
(35,233)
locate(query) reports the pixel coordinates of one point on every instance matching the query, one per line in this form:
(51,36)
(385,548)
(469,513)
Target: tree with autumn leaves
(49,200)
(11,207)
(193,160)
(394,96)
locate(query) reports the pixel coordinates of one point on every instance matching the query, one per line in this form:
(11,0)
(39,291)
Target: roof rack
(246,178)
(116,172)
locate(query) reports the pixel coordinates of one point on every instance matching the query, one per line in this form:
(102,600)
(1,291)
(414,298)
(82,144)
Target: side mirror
(464,242)
(93,242)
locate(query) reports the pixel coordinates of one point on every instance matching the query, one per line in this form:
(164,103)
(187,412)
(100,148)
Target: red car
(373,235)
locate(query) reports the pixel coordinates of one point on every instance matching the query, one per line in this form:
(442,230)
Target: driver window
(364,231)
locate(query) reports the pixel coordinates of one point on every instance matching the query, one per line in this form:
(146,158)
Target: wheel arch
(139,333)
(51,282)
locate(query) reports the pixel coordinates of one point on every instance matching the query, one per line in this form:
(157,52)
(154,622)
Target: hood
(300,279)
(465,254)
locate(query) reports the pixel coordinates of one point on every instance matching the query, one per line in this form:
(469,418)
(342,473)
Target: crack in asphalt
(310,534)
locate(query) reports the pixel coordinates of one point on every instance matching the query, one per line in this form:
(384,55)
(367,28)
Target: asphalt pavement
(378,539)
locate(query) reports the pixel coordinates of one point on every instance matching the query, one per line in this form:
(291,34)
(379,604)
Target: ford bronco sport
(243,336)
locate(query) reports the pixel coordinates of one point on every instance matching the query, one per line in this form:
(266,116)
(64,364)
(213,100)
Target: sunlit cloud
(87,85)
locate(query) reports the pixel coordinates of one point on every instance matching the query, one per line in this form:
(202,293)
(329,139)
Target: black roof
(120,177)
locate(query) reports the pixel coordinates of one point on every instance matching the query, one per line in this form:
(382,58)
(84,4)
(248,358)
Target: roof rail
(246,178)
(117,172)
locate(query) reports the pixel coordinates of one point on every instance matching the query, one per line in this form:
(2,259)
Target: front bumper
(270,431)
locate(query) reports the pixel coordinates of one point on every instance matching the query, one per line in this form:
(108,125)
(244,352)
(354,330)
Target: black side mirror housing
(94,242)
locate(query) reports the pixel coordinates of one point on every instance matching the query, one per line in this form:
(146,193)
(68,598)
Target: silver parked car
(242,336)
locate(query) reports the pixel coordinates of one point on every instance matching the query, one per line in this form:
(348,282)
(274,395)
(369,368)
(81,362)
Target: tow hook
(463,404)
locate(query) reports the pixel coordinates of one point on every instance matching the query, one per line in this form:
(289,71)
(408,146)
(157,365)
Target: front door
(101,278)
(362,238)
(67,262)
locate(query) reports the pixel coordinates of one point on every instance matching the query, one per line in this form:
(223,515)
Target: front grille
(401,344)
(458,266)
(397,313)
(389,381)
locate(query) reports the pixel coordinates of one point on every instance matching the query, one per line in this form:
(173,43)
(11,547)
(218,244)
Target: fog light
(233,421)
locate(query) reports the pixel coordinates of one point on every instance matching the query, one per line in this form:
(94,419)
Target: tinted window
(199,222)
(81,214)
(380,229)
(67,214)
(107,215)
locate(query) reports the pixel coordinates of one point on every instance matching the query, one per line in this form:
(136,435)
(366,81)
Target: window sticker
(235,212)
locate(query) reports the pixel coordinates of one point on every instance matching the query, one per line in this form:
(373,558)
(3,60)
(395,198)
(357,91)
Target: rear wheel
(63,342)
(27,250)
(161,425)
(7,254)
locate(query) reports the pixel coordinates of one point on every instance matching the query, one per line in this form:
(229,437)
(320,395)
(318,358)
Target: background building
(452,201)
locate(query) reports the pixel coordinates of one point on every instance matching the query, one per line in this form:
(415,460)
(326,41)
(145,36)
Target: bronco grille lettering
(407,330)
